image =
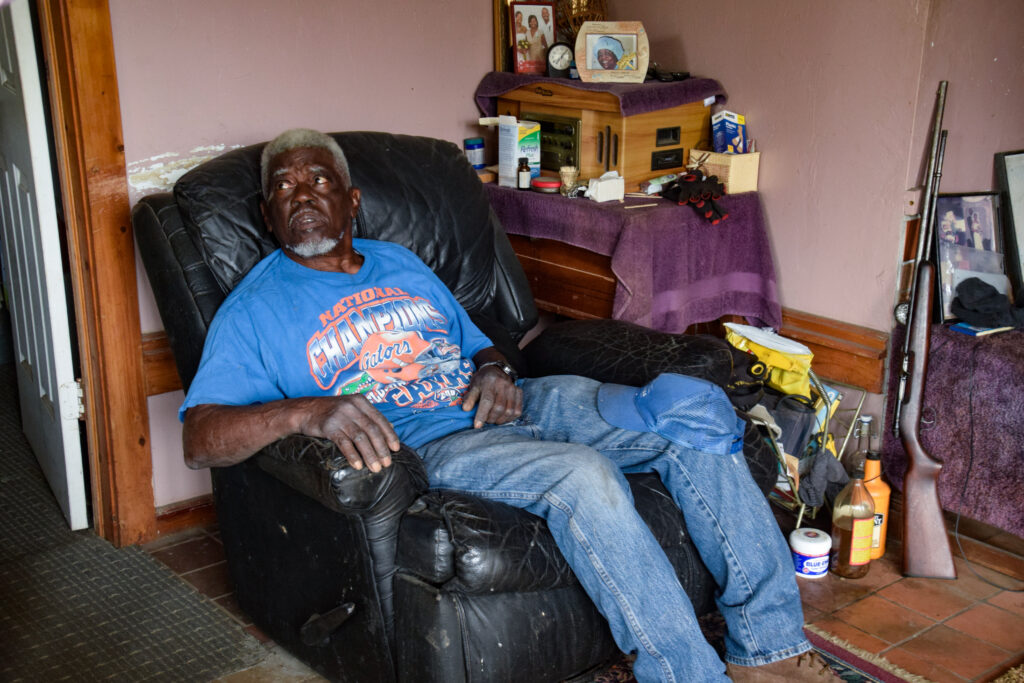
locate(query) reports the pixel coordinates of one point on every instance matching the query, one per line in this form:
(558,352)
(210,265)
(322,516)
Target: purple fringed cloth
(979,379)
(672,267)
(634,98)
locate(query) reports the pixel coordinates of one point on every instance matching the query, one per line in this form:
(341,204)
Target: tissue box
(608,188)
(729,131)
(738,172)
(517,139)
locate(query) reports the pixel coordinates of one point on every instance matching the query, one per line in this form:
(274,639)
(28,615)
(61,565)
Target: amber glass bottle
(853,518)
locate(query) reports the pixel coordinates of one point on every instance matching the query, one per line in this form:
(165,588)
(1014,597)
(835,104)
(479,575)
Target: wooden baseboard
(189,514)
(843,352)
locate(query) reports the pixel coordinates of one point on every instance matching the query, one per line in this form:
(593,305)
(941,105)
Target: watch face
(560,56)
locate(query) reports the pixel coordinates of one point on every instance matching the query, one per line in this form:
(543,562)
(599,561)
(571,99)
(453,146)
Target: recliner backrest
(419,192)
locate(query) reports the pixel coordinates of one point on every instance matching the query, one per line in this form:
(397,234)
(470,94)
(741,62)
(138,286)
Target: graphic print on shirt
(392,347)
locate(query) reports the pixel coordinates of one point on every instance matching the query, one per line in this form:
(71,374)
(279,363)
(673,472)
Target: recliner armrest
(626,353)
(318,469)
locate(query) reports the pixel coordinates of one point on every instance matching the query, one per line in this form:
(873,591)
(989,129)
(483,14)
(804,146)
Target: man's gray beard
(317,247)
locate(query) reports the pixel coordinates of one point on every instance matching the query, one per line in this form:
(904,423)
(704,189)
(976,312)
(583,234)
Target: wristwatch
(503,366)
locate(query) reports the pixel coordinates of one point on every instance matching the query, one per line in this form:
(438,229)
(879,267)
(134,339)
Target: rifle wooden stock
(926,551)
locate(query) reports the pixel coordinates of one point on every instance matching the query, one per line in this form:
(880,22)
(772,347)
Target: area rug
(852,664)
(76,608)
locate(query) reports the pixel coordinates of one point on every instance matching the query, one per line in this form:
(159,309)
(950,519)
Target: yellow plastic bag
(788,361)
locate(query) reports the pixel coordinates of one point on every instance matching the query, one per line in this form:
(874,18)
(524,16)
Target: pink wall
(838,95)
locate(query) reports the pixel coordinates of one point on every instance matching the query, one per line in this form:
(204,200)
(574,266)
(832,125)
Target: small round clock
(560,56)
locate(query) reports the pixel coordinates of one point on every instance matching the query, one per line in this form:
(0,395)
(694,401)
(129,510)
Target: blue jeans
(561,461)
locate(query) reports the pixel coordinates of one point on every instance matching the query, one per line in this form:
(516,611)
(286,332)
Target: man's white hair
(301,138)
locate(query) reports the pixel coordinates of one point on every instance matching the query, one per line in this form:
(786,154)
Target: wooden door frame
(78,51)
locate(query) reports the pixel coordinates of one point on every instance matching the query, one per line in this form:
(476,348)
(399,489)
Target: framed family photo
(532,31)
(1010,184)
(969,244)
(612,51)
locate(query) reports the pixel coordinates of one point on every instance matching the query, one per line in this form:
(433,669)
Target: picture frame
(502,39)
(612,52)
(532,30)
(968,243)
(1009,174)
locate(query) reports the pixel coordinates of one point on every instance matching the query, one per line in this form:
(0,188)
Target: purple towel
(634,98)
(673,268)
(977,380)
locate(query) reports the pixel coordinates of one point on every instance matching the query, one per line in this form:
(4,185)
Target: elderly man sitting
(359,342)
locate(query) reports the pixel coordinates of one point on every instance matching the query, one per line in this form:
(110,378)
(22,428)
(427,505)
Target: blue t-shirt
(392,332)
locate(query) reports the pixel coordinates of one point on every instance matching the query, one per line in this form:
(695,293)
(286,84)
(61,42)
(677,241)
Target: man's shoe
(806,667)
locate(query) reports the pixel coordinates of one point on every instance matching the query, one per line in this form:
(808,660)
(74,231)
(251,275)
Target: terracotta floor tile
(173,539)
(212,581)
(921,667)
(193,554)
(1011,602)
(812,614)
(884,571)
(971,580)
(884,619)
(831,593)
(852,634)
(931,597)
(992,625)
(230,604)
(955,651)
(1002,668)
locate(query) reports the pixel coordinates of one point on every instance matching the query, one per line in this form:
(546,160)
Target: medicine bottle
(853,519)
(474,148)
(523,174)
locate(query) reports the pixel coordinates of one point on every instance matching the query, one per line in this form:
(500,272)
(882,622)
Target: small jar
(474,148)
(523,174)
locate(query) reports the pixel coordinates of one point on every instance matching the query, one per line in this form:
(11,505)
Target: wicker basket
(738,172)
(572,14)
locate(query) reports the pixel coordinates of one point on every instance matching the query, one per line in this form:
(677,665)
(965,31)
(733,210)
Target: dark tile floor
(962,630)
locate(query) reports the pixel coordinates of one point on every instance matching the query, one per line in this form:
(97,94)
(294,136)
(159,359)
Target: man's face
(545,15)
(309,207)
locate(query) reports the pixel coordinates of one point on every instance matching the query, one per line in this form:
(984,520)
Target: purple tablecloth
(634,98)
(673,268)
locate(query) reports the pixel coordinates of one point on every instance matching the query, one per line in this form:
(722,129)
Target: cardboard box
(517,139)
(738,172)
(729,132)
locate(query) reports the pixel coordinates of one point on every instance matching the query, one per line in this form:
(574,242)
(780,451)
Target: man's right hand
(363,435)
(220,435)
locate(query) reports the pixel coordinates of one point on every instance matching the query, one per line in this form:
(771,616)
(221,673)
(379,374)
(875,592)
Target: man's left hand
(494,395)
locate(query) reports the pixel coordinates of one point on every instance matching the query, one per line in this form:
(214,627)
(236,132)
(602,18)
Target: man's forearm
(219,435)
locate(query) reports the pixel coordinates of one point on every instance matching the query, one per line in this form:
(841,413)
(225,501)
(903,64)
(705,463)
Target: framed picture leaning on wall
(1010,185)
(532,27)
(969,244)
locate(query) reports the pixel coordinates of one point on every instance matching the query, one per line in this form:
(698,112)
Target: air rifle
(926,551)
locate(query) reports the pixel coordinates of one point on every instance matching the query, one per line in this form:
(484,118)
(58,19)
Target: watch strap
(501,365)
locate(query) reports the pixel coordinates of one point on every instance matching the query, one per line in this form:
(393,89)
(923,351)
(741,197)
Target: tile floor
(962,630)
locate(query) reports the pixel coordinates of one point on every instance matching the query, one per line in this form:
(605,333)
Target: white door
(33,276)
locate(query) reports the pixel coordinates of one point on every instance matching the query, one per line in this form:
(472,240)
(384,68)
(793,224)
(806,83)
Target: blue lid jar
(474,148)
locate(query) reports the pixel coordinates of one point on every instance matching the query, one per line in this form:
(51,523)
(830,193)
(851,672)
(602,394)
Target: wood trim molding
(158,364)
(79,53)
(189,514)
(842,352)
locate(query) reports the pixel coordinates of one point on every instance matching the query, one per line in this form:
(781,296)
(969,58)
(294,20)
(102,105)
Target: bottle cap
(858,473)
(473,141)
(523,160)
(873,455)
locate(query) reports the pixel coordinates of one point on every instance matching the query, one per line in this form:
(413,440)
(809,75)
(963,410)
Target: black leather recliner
(373,577)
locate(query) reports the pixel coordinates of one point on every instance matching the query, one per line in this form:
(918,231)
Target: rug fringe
(878,660)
